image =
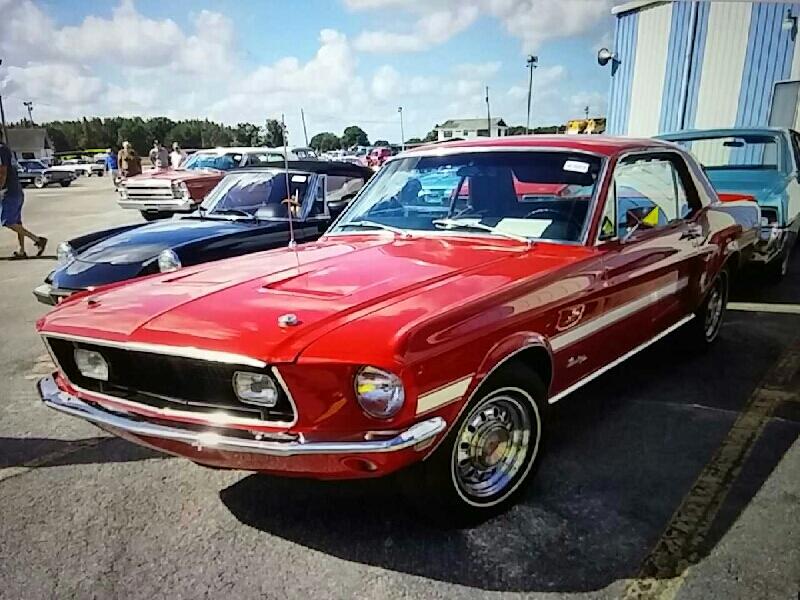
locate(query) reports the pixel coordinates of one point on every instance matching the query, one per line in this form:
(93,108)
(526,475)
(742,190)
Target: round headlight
(255,388)
(168,261)
(380,393)
(91,364)
(180,190)
(64,254)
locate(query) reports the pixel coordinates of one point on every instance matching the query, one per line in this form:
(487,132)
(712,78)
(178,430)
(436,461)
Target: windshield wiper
(234,211)
(375,225)
(459,224)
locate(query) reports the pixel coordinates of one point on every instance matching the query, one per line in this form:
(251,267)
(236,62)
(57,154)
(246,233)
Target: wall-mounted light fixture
(604,55)
(790,23)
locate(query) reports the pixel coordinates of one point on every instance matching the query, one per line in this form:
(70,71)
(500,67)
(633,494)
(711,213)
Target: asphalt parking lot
(675,465)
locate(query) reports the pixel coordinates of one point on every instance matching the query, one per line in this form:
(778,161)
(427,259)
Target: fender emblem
(576,360)
(569,316)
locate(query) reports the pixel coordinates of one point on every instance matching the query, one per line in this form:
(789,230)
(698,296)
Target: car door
(653,236)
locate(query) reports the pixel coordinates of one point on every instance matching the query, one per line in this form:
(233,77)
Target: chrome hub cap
(716,303)
(492,447)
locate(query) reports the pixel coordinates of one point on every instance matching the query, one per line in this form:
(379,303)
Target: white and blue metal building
(697,65)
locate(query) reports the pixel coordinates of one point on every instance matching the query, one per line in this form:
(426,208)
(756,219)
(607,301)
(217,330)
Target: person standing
(159,156)
(112,166)
(177,156)
(11,200)
(128,161)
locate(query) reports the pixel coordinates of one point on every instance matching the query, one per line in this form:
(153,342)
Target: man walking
(112,166)
(11,199)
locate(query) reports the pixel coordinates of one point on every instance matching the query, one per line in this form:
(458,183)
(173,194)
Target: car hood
(234,305)
(763,185)
(166,176)
(143,243)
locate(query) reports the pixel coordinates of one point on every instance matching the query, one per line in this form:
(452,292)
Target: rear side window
(343,186)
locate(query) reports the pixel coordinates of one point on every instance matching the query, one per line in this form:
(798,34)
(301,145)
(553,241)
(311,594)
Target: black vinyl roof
(323,167)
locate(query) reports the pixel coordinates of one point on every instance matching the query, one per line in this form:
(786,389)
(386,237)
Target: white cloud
(429,30)
(484,71)
(386,83)
(52,83)
(532,21)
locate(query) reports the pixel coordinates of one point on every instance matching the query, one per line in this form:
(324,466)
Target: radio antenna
(289,201)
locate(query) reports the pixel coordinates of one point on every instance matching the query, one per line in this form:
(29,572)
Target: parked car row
(158,194)
(463,291)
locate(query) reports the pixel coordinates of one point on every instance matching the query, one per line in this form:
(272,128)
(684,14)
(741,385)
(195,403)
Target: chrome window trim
(181,351)
(699,187)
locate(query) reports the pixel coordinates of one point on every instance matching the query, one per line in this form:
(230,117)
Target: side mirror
(337,207)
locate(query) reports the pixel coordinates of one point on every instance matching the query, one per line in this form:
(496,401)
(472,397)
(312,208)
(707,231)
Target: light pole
(29,105)
(3,115)
(532,62)
(402,135)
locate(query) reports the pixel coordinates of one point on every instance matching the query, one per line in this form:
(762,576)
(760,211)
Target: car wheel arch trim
(477,381)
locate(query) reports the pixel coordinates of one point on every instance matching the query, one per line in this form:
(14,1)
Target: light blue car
(765,163)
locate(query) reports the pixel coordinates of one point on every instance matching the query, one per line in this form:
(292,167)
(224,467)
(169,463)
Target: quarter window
(647,192)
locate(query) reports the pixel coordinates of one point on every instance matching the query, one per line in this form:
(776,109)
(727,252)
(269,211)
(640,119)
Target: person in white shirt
(177,156)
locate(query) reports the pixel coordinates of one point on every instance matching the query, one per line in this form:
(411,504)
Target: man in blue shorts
(11,199)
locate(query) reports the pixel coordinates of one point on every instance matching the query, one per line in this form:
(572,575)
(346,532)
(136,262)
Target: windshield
(528,195)
(246,193)
(735,152)
(224,162)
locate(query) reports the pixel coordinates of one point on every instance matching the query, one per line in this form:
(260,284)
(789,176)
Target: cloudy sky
(342,61)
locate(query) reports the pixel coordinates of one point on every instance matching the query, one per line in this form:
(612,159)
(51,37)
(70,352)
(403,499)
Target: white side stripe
(622,358)
(443,395)
(580,332)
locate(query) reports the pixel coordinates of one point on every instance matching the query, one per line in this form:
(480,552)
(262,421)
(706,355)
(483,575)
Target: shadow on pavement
(29,257)
(45,452)
(623,452)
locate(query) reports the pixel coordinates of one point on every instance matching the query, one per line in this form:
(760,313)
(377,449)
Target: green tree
(354,136)
(325,141)
(516,130)
(137,134)
(381,143)
(58,137)
(432,136)
(247,134)
(159,128)
(413,141)
(273,136)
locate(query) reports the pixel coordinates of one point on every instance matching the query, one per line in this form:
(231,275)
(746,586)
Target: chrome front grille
(169,382)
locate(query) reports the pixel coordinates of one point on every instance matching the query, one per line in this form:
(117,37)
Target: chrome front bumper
(156,203)
(770,244)
(47,294)
(61,401)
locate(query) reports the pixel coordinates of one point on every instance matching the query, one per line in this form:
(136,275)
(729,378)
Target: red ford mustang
(467,288)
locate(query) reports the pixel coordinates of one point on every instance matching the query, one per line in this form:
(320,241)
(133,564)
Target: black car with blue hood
(250,209)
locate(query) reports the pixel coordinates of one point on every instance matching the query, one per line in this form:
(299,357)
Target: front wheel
(39,183)
(65,183)
(487,456)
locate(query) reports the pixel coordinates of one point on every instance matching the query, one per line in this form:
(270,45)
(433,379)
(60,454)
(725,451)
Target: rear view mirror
(733,144)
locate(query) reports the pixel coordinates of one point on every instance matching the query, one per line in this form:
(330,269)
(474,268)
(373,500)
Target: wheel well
(732,264)
(536,358)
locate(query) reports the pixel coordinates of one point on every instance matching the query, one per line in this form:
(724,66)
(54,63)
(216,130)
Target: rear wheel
(703,330)
(65,183)
(488,455)
(39,182)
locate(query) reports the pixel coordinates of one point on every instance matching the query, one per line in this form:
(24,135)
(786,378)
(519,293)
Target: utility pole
(402,134)
(305,133)
(532,62)
(488,113)
(29,105)
(586,111)
(3,116)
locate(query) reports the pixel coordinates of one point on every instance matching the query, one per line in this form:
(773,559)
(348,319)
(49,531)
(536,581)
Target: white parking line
(785,309)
